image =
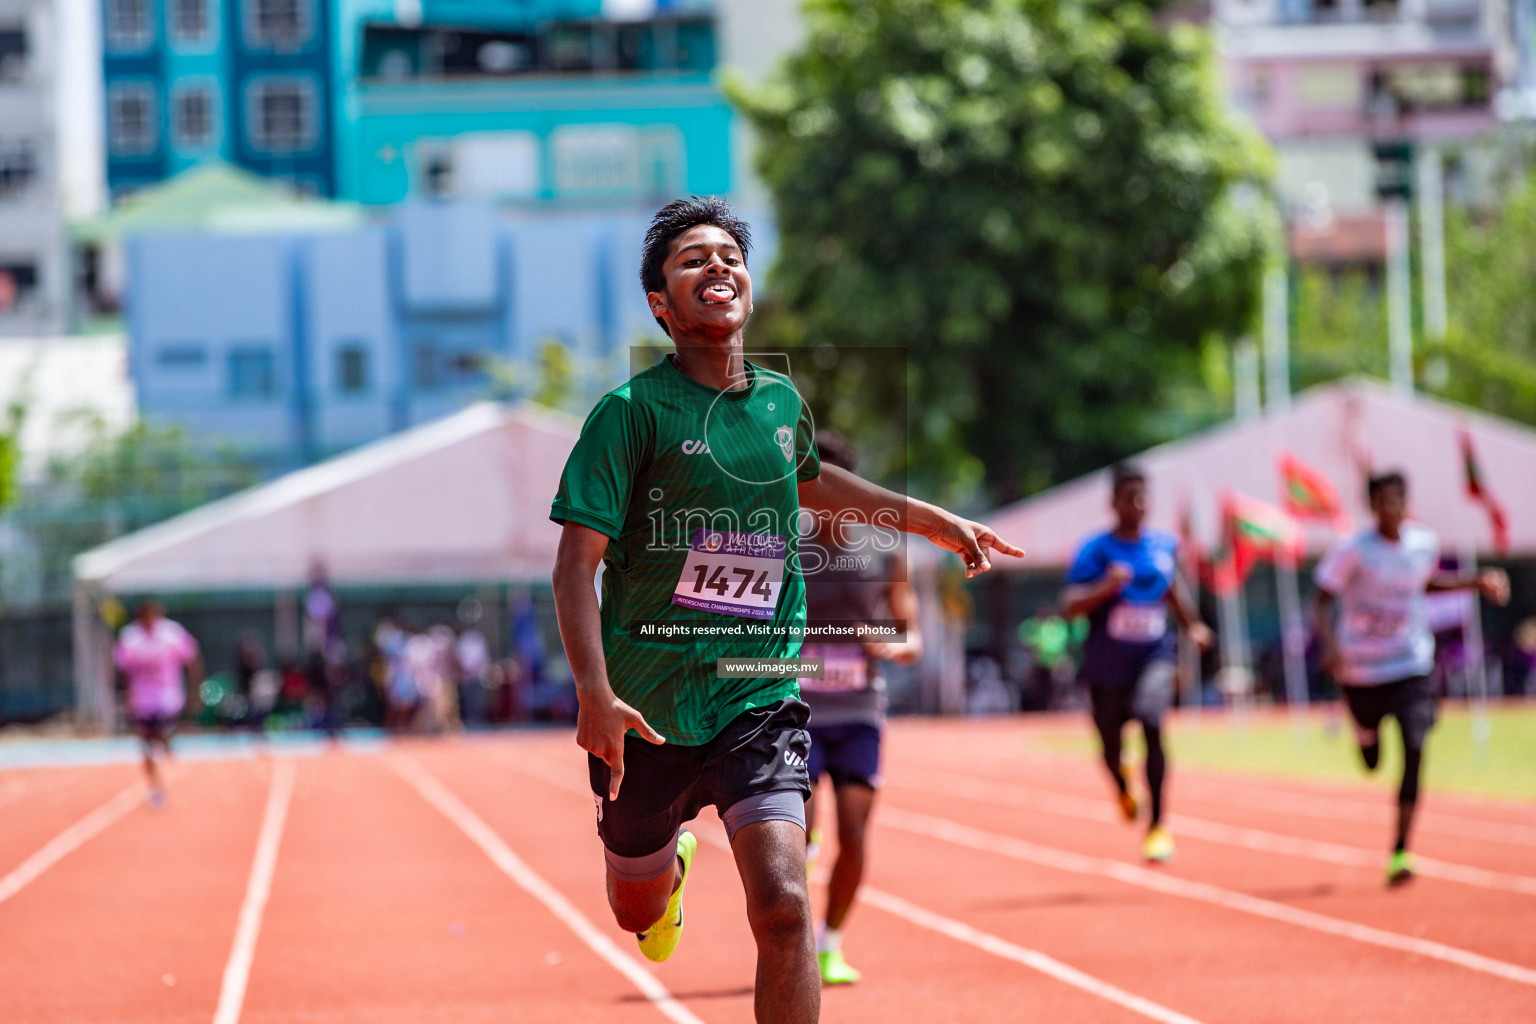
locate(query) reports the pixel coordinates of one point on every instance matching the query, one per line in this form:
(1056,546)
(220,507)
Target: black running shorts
(1411,701)
(1147,701)
(761,752)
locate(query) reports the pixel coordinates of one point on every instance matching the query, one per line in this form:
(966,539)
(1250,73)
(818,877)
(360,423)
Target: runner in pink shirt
(154,653)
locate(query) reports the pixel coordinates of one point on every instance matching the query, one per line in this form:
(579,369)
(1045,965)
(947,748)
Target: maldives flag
(1308,494)
(1254,531)
(1478,492)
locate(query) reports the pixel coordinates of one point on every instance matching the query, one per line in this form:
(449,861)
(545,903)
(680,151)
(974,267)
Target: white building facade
(33,263)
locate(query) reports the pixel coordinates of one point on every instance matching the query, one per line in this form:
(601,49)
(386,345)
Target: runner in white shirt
(1381,651)
(153,653)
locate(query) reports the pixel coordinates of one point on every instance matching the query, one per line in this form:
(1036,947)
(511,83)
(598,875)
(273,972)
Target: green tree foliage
(557,375)
(1488,356)
(1041,200)
(15,421)
(119,482)
(1340,325)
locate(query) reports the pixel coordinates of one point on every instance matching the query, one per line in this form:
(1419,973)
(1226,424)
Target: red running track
(461,881)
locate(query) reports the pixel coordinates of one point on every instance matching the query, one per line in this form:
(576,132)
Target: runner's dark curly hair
(679,216)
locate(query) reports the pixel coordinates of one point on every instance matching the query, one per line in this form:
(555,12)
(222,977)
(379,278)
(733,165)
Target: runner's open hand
(600,728)
(1202,636)
(971,541)
(1493,584)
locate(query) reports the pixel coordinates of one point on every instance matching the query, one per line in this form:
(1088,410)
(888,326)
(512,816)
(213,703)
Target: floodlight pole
(1399,287)
(1292,634)
(1431,193)
(1277,354)
(1247,403)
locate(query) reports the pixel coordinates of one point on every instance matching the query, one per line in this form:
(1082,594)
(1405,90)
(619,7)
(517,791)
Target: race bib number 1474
(733,573)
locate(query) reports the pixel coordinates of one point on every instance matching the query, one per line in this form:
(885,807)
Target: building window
(13,53)
(190,22)
(279,24)
(18,166)
(17,283)
(192,117)
(252,373)
(190,356)
(352,369)
(281,113)
(129,24)
(132,128)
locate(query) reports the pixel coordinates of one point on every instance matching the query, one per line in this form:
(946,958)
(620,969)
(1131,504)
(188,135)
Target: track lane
(1240,801)
(134,926)
(1203,829)
(50,803)
(380,910)
(899,949)
(1209,961)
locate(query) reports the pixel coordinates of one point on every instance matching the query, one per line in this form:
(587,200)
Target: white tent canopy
(465,498)
(1337,429)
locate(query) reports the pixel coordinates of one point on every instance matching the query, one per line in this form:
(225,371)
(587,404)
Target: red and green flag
(1253,531)
(1477,490)
(1310,495)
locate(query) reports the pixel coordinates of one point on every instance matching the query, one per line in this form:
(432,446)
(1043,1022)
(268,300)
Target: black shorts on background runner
(1411,701)
(1147,701)
(850,754)
(155,727)
(763,750)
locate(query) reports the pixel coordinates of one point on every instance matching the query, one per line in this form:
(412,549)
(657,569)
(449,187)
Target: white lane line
(912,913)
(1444,824)
(1236,791)
(70,840)
(515,868)
(969,787)
(237,971)
(1034,960)
(1062,860)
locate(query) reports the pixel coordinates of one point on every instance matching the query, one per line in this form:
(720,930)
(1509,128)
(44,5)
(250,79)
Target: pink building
(1350,93)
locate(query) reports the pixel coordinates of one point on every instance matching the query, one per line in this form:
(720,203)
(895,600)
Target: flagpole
(1472,638)
(1292,637)
(1237,677)
(1477,667)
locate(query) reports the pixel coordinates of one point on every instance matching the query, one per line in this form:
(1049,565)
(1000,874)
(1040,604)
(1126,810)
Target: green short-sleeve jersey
(697,490)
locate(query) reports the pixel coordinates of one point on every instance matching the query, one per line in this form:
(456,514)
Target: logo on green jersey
(785,438)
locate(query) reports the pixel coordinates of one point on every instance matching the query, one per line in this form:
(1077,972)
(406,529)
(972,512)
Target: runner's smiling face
(708,294)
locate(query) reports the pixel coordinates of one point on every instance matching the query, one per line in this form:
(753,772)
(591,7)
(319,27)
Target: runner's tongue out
(719,293)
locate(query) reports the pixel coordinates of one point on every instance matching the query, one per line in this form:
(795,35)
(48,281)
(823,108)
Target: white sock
(829,940)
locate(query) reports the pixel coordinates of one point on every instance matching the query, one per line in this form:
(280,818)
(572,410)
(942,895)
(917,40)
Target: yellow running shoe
(1128,805)
(660,940)
(812,852)
(835,970)
(1158,846)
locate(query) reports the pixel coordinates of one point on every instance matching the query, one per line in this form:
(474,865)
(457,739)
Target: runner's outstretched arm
(837,490)
(1492,584)
(601,719)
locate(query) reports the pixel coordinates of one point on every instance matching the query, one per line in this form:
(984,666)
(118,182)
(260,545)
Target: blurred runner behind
(159,659)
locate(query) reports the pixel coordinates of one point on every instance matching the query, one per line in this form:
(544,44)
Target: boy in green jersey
(687,485)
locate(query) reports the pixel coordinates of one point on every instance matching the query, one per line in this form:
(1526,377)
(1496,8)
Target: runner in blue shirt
(1125,581)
